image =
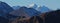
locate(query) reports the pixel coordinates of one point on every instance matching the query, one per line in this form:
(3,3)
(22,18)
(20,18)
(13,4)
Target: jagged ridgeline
(24,11)
(6,17)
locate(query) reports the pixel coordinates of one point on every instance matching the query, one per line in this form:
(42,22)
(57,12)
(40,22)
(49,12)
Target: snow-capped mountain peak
(33,5)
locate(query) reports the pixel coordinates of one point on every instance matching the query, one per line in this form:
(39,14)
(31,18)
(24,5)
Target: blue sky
(52,4)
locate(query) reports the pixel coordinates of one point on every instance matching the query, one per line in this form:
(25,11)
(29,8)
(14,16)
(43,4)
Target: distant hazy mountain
(34,6)
(43,9)
(16,7)
(24,11)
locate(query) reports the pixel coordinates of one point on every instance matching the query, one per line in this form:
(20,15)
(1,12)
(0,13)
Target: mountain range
(41,9)
(24,11)
(11,13)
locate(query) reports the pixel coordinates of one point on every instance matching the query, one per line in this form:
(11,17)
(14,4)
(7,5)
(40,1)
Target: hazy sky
(52,4)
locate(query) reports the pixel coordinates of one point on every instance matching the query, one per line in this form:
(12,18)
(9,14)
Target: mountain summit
(34,6)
